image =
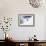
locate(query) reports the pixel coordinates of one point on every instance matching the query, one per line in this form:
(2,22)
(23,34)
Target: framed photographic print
(26,19)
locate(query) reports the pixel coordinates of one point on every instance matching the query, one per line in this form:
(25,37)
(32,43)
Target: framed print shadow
(26,20)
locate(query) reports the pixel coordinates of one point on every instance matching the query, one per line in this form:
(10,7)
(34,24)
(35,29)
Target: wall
(11,8)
